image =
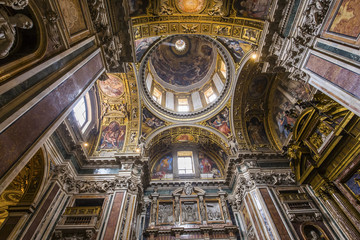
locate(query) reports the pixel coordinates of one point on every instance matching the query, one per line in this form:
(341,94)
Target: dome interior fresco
(183,67)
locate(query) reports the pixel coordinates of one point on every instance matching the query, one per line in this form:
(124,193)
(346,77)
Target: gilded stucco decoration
(119,113)
(25,186)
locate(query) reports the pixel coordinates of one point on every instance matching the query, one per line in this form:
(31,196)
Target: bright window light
(210,95)
(183,105)
(80,112)
(157,95)
(185,162)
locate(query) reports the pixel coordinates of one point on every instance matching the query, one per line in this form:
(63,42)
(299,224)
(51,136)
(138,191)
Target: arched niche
(23,191)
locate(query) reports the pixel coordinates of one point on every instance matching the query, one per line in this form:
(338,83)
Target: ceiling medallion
(190,6)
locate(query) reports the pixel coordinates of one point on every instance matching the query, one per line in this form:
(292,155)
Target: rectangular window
(185,162)
(183,105)
(157,95)
(210,95)
(80,112)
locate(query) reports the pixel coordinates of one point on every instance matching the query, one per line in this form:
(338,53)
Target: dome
(184,75)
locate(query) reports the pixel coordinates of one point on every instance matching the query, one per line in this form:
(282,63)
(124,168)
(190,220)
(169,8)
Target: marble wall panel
(22,134)
(114,215)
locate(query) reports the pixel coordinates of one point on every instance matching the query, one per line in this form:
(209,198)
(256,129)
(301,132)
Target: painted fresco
(347,19)
(184,138)
(142,45)
(256,132)
(253,8)
(190,6)
(73,15)
(163,168)
(257,86)
(137,7)
(112,136)
(150,122)
(113,86)
(354,184)
(183,68)
(286,94)
(237,48)
(221,122)
(310,231)
(208,166)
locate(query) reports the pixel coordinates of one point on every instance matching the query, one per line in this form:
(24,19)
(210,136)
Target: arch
(25,188)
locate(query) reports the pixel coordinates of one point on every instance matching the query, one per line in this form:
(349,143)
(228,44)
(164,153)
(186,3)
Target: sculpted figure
(15,4)
(8,32)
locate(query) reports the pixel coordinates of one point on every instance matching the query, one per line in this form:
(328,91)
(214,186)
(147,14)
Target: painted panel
(73,15)
(113,86)
(221,122)
(208,167)
(236,47)
(252,8)
(112,136)
(149,122)
(163,168)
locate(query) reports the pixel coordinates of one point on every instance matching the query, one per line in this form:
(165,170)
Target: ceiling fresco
(221,122)
(186,67)
(191,6)
(142,45)
(113,86)
(253,8)
(237,48)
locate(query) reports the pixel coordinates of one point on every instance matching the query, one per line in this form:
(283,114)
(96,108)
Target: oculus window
(185,162)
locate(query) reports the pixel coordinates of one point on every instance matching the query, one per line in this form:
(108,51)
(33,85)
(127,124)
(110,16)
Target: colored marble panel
(221,122)
(344,78)
(114,215)
(347,19)
(73,15)
(21,135)
(41,213)
(274,214)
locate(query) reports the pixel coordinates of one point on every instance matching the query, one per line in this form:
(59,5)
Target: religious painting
(142,45)
(213,211)
(183,61)
(257,86)
(73,15)
(113,86)
(256,132)
(287,93)
(237,48)
(112,136)
(208,167)
(165,213)
(252,8)
(137,7)
(312,231)
(221,122)
(190,6)
(184,138)
(163,168)
(149,122)
(353,184)
(347,19)
(190,212)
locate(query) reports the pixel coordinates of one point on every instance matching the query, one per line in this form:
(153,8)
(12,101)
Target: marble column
(338,215)
(345,206)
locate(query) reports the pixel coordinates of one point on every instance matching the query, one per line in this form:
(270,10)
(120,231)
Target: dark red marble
(114,215)
(41,213)
(22,134)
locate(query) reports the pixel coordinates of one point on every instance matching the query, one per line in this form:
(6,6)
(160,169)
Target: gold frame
(221,211)
(198,210)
